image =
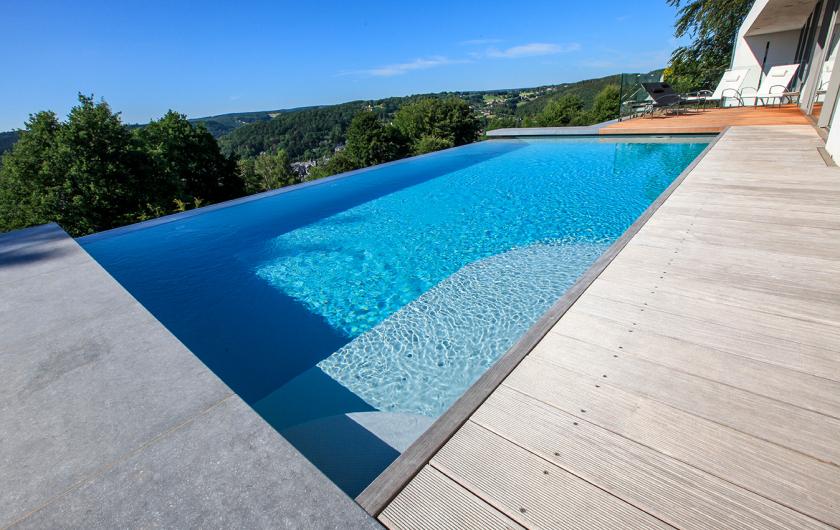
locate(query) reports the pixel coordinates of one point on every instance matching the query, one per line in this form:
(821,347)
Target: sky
(214,57)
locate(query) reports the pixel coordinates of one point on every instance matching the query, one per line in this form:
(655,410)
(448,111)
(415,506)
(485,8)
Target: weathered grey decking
(108,421)
(694,384)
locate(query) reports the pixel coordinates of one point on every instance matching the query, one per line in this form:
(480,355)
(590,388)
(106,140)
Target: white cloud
(391,70)
(533,49)
(479,42)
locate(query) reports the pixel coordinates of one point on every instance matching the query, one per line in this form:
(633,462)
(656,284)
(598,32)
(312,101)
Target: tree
(561,112)
(185,162)
(31,184)
(451,120)
(428,144)
(605,106)
(370,141)
(503,122)
(338,163)
(267,171)
(91,173)
(81,173)
(713,27)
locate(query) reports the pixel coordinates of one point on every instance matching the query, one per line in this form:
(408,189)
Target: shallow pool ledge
(109,421)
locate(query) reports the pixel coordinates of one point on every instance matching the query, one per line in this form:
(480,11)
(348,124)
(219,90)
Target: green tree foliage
(449,121)
(605,106)
(561,112)
(81,173)
(185,162)
(503,122)
(92,173)
(267,171)
(712,26)
(370,141)
(428,144)
(338,163)
(570,110)
(585,90)
(421,126)
(304,134)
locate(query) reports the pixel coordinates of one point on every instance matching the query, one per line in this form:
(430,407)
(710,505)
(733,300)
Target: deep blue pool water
(351,313)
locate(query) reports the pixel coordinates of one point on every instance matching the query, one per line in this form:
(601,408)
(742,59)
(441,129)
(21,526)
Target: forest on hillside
(312,133)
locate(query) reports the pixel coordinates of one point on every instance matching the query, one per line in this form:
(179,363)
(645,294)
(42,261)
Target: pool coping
(396,476)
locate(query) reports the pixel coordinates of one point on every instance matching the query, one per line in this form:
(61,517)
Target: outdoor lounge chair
(730,86)
(662,97)
(775,85)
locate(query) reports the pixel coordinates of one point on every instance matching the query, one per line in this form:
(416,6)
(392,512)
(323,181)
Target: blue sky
(213,57)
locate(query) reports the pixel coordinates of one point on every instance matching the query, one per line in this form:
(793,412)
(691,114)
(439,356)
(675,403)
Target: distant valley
(311,133)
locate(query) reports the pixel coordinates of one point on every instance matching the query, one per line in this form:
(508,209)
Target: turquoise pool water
(352,312)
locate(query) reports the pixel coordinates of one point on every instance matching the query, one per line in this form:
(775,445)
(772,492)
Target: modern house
(803,32)
(635,327)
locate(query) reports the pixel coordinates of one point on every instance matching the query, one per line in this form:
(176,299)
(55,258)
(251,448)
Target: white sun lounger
(775,84)
(730,86)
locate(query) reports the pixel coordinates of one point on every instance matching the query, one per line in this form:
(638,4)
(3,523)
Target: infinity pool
(352,312)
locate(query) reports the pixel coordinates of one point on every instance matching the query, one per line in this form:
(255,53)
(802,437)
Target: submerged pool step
(423,357)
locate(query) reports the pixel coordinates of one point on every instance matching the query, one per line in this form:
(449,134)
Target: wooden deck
(709,121)
(694,384)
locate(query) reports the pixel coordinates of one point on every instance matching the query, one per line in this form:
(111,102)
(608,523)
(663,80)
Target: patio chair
(775,85)
(662,97)
(730,86)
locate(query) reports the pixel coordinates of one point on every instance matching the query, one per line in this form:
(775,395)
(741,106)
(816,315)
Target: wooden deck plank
(741,339)
(697,259)
(697,378)
(777,473)
(773,420)
(764,214)
(528,489)
(434,502)
(783,282)
(776,296)
(784,328)
(769,380)
(709,121)
(671,490)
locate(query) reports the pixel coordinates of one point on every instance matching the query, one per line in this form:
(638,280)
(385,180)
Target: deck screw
(597,386)
(545,472)
(556,454)
(621,347)
(583,410)
(616,356)
(575,423)
(522,510)
(605,375)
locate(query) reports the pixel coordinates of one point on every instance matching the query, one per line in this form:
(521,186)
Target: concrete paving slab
(225,468)
(107,420)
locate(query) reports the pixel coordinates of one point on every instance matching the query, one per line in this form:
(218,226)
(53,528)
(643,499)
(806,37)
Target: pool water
(353,312)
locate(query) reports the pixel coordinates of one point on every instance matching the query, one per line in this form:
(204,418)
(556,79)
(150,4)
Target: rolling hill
(308,133)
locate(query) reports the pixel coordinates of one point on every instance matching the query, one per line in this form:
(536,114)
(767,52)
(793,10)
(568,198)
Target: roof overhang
(781,15)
